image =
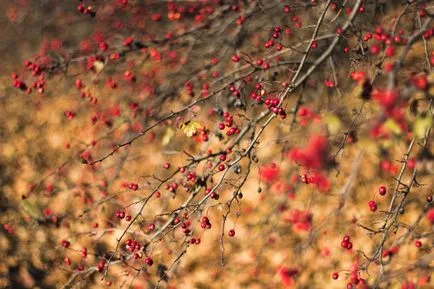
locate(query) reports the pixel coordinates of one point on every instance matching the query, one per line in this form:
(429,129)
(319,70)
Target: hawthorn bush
(217,143)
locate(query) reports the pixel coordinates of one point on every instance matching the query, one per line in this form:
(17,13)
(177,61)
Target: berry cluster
(273,104)
(346,243)
(205,223)
(132,245)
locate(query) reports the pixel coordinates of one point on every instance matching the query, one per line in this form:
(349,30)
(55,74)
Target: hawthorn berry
(215,196)
(314,45)
(375,49)
(65,243)
(390,51)
(235,58)
(149,261)
(231,233)
(67,261)
(344,244)
(372,206)
(120,214)
(176,221)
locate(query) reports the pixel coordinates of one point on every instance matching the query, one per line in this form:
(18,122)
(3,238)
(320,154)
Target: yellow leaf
(168,136)
(98,65)
(388,143)
(190,128)
(392,126)
(421,125)
(334,123)
(31,209)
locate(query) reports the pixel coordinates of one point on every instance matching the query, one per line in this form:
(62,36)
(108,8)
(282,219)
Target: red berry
(344,244)
(65,243)
(128,41)
(390,51)
(149,261)
(120,214)
(231,233)
(67,261)
(382,190)
(375,49)
(418,244)
(314,45)
(215,196)
(151,227)
(235,58)
(80,8)
(335,275)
